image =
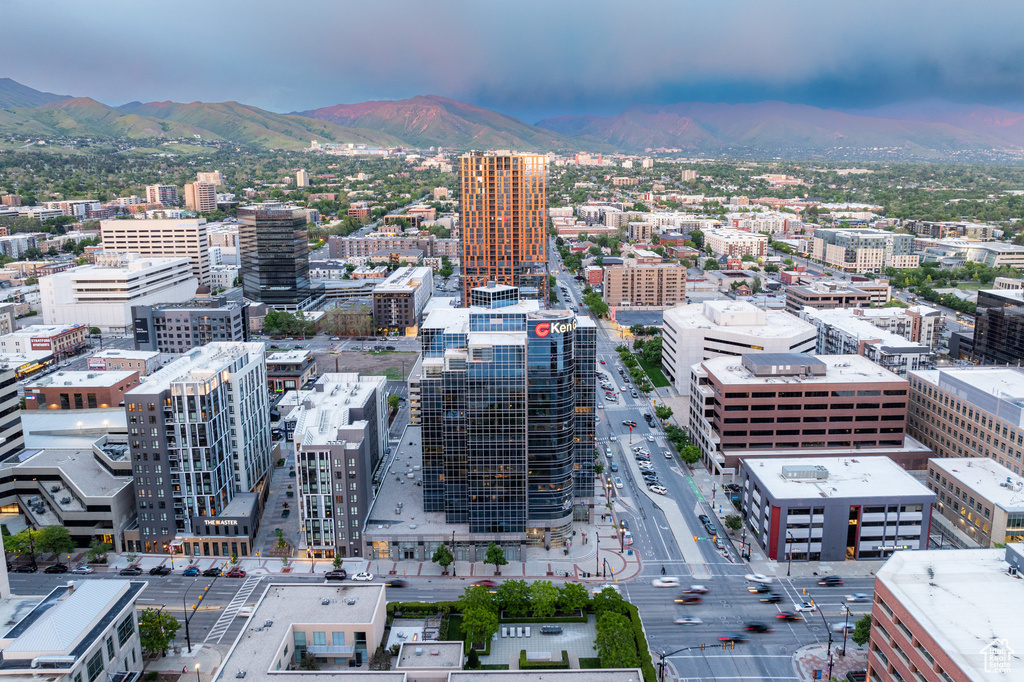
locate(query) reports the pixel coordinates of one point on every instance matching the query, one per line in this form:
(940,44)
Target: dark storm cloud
(527,57)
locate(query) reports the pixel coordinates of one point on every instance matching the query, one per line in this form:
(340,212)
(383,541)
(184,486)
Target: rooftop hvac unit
(803,471)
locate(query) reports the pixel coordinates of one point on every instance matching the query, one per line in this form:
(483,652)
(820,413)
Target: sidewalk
(183,663)
(808,660)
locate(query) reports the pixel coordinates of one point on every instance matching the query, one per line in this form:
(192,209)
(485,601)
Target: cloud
(527,57)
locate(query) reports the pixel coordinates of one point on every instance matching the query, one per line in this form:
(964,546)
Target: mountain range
(930,129)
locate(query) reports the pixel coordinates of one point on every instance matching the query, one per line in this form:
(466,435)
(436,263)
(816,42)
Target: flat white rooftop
(844,320)
(288,357)
(853,477)
(739,317)
(73,379)
(117,353)
(839,369)
(36,330)
(320,412)
(985,476)
(1005,383)
(199,364)
(964,599)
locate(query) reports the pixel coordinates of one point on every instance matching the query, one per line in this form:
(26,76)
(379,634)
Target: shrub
(543,665)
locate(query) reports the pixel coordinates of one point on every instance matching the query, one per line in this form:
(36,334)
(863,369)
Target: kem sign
(542,329)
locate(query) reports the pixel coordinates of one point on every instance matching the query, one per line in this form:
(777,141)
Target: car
(607,586)
(804,606)
(788,616)
(603,362)
(612,438)
(689,599)
(645,465)
(397,582)
(618,483)
(363,577)
(668,455)
(551,629)
(758,627)
(650,438)
(634,394)
(831,581)
(688,620)
(659,489)
(600,407)
(56,568)
(285,513)
(758,588)
(697,589)
(733,637)
(339,574)
(485,583)
(757,577)
(26,568)
(212,572)
(666,581)
(614,467)
(627,423)
(609,392)
(840,627)
(731,486)
(236,572)
(703,518)
(772,598)
(82,569)
(160,570)
(130,570)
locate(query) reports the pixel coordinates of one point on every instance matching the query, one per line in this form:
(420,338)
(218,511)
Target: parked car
(364,577)
(236,572)
(130,570)
(82,569)
(658,489)
(160,570)
(666,581)
(339,574)
(56,568)
(191,571)
(212,572)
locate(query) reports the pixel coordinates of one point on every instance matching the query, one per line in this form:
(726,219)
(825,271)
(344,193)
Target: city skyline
(537,61)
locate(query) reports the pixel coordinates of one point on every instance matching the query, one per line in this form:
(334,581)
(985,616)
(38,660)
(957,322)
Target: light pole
(846,626)
(454,574)
(789,548)
(829,631)
(197,673)
(184,611)
(597,555)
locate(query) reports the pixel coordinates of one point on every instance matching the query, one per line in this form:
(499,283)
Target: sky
(528,58)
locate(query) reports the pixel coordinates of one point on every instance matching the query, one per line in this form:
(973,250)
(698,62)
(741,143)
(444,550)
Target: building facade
(290,370)
(503,222)
(863,250)
(999,327)
(162,194)
(71,390)
(840,332)
(179,328)
(12,440)
(143,362)
(980,497)
(398,301)
(637,285)
(826,295)
(201,197)
(60,340)
(736,242)
(274,251)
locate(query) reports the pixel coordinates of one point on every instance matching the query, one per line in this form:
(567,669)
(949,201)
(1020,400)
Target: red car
(485,583)
(235,573)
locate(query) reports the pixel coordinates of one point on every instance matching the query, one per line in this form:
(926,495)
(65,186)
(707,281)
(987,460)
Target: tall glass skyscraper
(507,414)
(274,251)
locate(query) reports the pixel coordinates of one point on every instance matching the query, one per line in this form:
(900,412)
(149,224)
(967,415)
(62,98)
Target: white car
(659,489)
(612,438)
(365,577)
(804,606)
(668,455)
(666,581)
(600,406)
(82,570)
(839,627)
(618,483)
(858,597)
(758,578)
(650,438)
(688,620)
(644,464)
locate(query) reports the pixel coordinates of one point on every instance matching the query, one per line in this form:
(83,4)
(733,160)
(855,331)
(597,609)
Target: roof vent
(325,602)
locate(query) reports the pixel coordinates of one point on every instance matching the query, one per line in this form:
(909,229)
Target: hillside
(13,94)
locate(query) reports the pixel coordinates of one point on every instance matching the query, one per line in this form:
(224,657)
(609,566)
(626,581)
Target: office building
(398,301)
(301,178)
(60,340)
(980,498)
(956,252)
(796,405)
(7,316)
(841,332)
(634,284)
(970,412)
(176,328)
(701,331)
(161,238)
(162,194)
(947,615)
(207,468)
(214,178)
(114,359)
(863,250)
(506,403)
(74,390)
(274,252)
(201,197)
(12,440)
(726,241)
(340,435)
(828,295)
(504,208)
(79,631)
(376,243)
(290,370)
(102,295)
(999,327)
(833,508)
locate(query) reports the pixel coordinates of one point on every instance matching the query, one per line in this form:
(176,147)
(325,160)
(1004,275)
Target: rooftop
(72,429)
(1002,386)
(81,379)
(619,675)
(986,477)
(78,467)
(860,477)
(430,655)
(839,369)
(15,360)
(964,599)
(35,330)
(845,320)
(290,357)
(403,280)
(740,317)
(325,409)
(115,353)
(199,364)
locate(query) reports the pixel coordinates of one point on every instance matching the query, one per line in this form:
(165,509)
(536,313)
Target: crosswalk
(223,623)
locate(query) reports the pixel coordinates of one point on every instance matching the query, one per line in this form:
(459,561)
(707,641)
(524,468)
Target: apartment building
(12,439)
(8,314)
(636,284)
(340,436)
(177,328)
(290,370)
(115,359)
(918,323)
(701,331)
(640,232)
(999,327)
(833,508)
(796,405)
(211,177)
(826,295)
(199,431)
(980,498)
(201,197)
(61,340)
(398,301)
(102,295)
(863,250)
(302,178)
(75,390)
(970,412)
(841,332)
(161,238)
(946,616)
(726,241)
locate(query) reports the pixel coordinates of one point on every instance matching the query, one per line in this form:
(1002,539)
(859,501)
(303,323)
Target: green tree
(862,630)
(615,644)
(477,597)
(156,630)
(608,600)
(97,552)
(513,597)
(690,454)
(755,286)
(543,598)
(697,237)
(572,596)
(23,544)
(472,660)
(393,401)
(662,412)
(733,522)
(443,557)
(652,351)
(479,624)
(94,331)
(710,264)
(54,540)
(336,564)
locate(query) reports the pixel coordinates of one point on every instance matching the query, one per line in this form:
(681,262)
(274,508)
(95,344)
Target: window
(95,666)
(125,630)
(319,639)
(110,648)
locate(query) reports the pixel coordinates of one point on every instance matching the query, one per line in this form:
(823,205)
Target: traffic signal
(714,538)
(702,645)
(695,538)
(732,645)
(725,645)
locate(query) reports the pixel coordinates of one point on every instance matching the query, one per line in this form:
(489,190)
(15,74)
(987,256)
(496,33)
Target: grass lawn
(654,372)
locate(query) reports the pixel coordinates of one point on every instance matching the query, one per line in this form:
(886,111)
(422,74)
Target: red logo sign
(542,329)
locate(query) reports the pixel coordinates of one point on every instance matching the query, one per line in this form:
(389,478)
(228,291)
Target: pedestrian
(663,569)
(184,670)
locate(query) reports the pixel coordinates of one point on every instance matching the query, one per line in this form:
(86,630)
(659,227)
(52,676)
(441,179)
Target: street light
(184,610)
(846,626)
(597,555)
(829,631)
(454,574)
(197,673)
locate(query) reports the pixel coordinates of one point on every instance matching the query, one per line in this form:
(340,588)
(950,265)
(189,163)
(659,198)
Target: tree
(615,644)
(97,552)
(443,557)
(495,555)
(23,544)
(479,624)
(733,522)
(755,286)
(862,630)
(156,630)
(697,237)
(662,412)
(477,597)
(710,264)
(337,562)
(472,660)
(513,597)
(608,600)
(543,598)
(54,540)
(572,596)
(308,662)
(652,351)
(94,331)
(690,454)
(393,401)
